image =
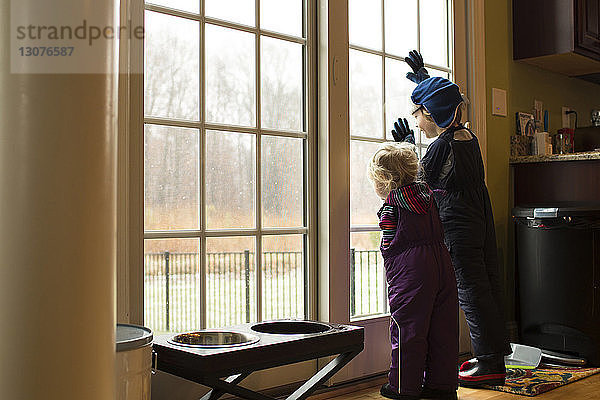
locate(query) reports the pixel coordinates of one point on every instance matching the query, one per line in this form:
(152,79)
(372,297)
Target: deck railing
(172,288)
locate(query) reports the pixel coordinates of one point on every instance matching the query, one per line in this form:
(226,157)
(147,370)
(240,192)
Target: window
(381,34)
(226,162)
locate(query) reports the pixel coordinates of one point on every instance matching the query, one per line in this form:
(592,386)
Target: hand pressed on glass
(415,61)
(402,131)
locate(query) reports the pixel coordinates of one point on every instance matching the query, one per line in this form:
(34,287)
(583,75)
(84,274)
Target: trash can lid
(557,210)
(130,337)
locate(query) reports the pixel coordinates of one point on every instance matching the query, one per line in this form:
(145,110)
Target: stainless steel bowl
(213,339)
(291,327)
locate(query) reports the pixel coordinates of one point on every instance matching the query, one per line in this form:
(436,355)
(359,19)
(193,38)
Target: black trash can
(558,278)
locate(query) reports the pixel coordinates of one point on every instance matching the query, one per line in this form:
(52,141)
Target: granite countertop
(588,155)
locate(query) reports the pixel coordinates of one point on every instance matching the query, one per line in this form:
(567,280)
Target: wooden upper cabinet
(558,35)
(588,26)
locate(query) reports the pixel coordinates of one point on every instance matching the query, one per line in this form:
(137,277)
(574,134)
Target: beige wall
(57,217)
(524,83)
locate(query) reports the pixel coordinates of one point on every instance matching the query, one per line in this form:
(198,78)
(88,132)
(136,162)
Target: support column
(58,223)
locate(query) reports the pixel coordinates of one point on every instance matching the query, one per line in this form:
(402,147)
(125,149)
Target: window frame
(334,179)
(386,137)
(132,119)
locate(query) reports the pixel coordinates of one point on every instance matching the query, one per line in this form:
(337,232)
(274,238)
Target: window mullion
(258,255)
(365,49)
(310,268)
(419,26)
(202,170)
(172,12)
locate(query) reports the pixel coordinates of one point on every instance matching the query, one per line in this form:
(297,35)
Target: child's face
(426,125)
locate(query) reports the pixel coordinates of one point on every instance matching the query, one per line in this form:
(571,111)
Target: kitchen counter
(542,180)
(588,155)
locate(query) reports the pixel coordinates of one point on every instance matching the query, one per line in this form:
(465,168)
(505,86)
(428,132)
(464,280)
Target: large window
(226,171)
(381,34)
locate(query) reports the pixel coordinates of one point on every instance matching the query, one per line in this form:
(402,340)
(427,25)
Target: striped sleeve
(388,221)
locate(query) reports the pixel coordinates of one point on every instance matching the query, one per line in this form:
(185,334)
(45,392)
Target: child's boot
(479,372)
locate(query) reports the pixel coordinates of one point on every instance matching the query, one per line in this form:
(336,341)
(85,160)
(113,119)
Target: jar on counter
(563,141)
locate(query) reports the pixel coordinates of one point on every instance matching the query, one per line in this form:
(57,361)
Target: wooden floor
(585,389)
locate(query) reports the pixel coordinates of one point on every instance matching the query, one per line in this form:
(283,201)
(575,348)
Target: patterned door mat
(531,382)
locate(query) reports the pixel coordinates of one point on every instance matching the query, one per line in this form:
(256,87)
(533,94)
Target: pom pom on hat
(440,97)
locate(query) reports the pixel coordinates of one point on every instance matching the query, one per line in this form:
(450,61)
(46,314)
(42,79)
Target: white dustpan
(524,357)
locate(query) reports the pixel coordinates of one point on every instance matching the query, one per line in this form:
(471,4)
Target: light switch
(499,102)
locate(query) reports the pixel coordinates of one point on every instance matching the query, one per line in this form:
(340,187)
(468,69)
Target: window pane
(364,203)
(230,76)
(281,84)
(171,285)
(434,31)
(282,182)
(230,281)
(397,96)
(437,72)
(185,5)
(368,290)
(170,178)
(171,76)
(241,11)
(230,180)
(283,16)
(365,95)
(401,26)
(283,277)
(365,23)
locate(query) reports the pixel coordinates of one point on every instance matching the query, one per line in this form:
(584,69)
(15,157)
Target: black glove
(415,61)
(402,131)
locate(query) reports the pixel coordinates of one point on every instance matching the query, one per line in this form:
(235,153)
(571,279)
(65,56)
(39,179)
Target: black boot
(438,394)
(476,373)
(387,391)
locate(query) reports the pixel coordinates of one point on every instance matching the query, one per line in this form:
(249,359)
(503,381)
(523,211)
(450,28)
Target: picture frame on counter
(525,123)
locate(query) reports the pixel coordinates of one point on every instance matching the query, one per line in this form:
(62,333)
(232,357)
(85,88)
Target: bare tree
(172,159)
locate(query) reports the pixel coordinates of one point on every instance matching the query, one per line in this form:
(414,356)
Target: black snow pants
(455,169)
(471,240)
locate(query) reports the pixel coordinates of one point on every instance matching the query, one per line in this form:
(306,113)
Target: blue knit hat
(440,97)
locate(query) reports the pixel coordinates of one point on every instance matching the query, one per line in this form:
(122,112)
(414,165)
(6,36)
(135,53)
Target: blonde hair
(393,165)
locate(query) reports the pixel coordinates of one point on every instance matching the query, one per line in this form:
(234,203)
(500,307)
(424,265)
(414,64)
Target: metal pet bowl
(213,339)
(291,327)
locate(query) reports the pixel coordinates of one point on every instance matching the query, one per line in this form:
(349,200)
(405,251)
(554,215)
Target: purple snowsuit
(421,292)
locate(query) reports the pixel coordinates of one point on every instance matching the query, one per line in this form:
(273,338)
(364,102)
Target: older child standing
(454,167)
(422,287)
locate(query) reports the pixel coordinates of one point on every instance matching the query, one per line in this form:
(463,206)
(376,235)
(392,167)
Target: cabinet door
(588,27)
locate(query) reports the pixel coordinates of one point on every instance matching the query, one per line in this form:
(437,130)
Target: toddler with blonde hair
(422,291)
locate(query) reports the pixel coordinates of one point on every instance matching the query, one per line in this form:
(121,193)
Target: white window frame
(130,218)
(334,177)
(131,169)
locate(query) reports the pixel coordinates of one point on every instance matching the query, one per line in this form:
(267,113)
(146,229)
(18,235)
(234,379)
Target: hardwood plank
(585,389)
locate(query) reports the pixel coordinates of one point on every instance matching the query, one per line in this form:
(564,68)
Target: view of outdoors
(226,157)
(209,115)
